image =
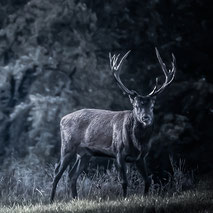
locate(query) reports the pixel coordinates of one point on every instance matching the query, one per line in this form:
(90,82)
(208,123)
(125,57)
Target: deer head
(142,104)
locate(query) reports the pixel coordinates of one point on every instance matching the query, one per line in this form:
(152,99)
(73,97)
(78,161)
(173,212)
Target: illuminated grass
(191,201)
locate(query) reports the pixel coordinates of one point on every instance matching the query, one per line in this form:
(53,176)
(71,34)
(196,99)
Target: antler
(116,68)
(169,75)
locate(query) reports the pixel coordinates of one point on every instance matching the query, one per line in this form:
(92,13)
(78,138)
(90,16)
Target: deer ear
(154,98)
(131,98)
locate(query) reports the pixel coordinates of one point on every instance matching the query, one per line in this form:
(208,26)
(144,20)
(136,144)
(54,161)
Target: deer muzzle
(146,120)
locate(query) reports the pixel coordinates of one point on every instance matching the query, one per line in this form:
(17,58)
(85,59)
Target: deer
(120,135)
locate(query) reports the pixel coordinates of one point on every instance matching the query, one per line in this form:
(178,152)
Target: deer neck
(140,134)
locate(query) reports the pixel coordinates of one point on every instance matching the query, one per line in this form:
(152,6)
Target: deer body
(104,133)
(122,135)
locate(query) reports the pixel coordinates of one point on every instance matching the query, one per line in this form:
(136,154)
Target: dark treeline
(54,60)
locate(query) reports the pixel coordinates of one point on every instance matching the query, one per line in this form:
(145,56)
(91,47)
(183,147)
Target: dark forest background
(54,60)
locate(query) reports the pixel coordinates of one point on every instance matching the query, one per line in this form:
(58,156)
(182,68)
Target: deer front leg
(142,168)
(122,173)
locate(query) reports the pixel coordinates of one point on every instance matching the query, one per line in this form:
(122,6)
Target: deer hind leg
(122,173)
(65,160)
(57,166)
(79,166)
(142,168)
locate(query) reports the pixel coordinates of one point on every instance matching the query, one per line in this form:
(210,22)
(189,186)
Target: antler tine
(155,88)
(111,58)
(172,72)
(169,75)
(163,66)
(116,68)
(121,61)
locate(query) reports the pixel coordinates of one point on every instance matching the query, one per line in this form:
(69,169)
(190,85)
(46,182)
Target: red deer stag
(122,135)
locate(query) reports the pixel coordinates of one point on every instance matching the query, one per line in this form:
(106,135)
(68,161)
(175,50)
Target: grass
(27,189)
(191,201)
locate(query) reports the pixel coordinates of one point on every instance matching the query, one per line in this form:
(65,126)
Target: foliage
(37,87)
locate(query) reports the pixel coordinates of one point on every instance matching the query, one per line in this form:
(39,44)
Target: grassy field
(191,201)
(24,190)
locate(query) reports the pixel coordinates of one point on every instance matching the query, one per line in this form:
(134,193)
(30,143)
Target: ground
(198,199)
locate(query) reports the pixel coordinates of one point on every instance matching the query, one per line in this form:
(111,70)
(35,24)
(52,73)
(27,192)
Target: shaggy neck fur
(139,134)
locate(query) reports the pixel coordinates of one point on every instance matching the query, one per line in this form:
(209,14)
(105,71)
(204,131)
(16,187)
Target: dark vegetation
(54,60)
